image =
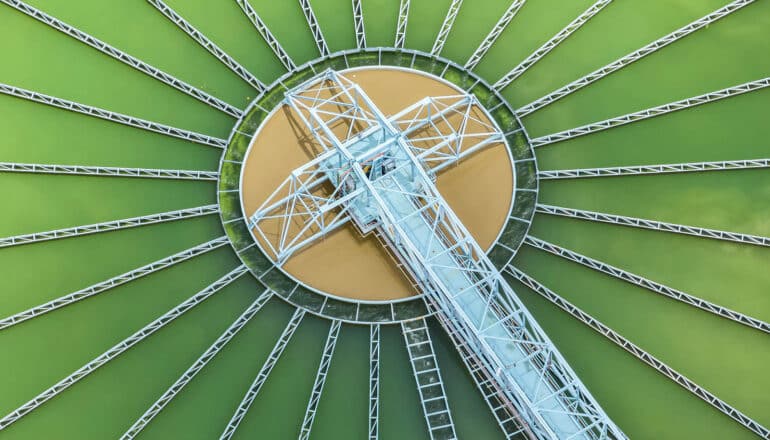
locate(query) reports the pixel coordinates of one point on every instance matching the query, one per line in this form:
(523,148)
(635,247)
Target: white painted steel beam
(315,28)
(374,382)
(640,354)
(196,367)
(446,27)
(113,282)
(654,225)
(112,116)
(264,372)
(549,45)
(635,170)
(494,34)
(633,57)
(207,44)
(268,36)
(652,112)
(109,226)
(650,285)
(320,380)
(124,57)
(83,170)
(358,23)
(403,20)
(121,347)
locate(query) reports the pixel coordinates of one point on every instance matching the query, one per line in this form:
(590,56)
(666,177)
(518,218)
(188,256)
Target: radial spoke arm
(113,225)
(83,170)
(320,380)
(655,169)
(264,372)
(446,27)
(654,225)
(632,57)
(207,44)
(493,35)
(124,57)
(374,382)
(121,347)
(557,39)
(358,22)
(403,20)
(652,112)
(263,30)
(315,28)
(640,354)
(112,116)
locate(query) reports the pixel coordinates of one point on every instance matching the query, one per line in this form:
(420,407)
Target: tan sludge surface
(344,263)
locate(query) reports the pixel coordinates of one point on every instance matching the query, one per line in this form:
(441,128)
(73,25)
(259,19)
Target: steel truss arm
(109,226)
(494,34)
(82,170)
(264,372)
(320,380)
(124,57)
(374,382)
(632,57)
(640,354)
(315,28)
(358,22)
(427,375)
(207,44)
(113,282)
(557,39)
(403,20)
(263,30)
(650,285)
(652,112)
(122,346)
(446,27)
(655,169)
(654,225)
(112,116)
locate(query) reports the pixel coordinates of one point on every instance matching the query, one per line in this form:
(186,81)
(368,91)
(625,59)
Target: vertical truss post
(263,30)
(446,27)
(635,170)
(320,380)
(315,28)
(403,20)
(358,22)
(81,170)
(374,382)
(494,34)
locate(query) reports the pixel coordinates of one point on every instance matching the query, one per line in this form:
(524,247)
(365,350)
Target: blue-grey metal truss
(358,24)
(374,382)
(84,170)
(315,28)
(635,170)
(446,27)
(320,380)
(494,34)
(403,21)
(264,31)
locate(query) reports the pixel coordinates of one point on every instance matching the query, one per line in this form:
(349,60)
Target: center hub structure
(378,173)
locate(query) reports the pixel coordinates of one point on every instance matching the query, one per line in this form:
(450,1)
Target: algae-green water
(726,358)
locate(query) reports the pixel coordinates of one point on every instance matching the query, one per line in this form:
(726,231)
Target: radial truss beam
(113,225)
(207,44)
(82,170)
(655,169)
(650,285)
(358,22)
(403,20)
(640,354)
(263,30)
(124,57)
(320,380)
(652,112)
(427,375)
(374,382)
(315,28)
(264,372)
(122,346)
(557,39)
(446,27)
(633,57)
(112,116)
(195,368)
(113,282)
(494,34)
(654,225)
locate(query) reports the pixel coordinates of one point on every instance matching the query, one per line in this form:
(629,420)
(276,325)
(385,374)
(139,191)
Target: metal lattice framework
(82,170)
(263,374)
(358,23)
(494,34)
(374,382)
(634,170)
(315,28)
(654,225)
(320,380)
(403,20)
(549,45)
(113,225)
(112,116)
(207,44)
(633,57)
(446,27)
(124,57)
(640,354)
(263,30)
(196,367)
(652,112)
(121,347)
(650,285)
(113,282)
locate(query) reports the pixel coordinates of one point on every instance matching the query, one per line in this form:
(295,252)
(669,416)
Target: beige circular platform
(345,264)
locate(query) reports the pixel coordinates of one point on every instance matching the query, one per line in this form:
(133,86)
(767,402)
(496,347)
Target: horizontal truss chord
(655,169)
(494,34)
(83,170)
